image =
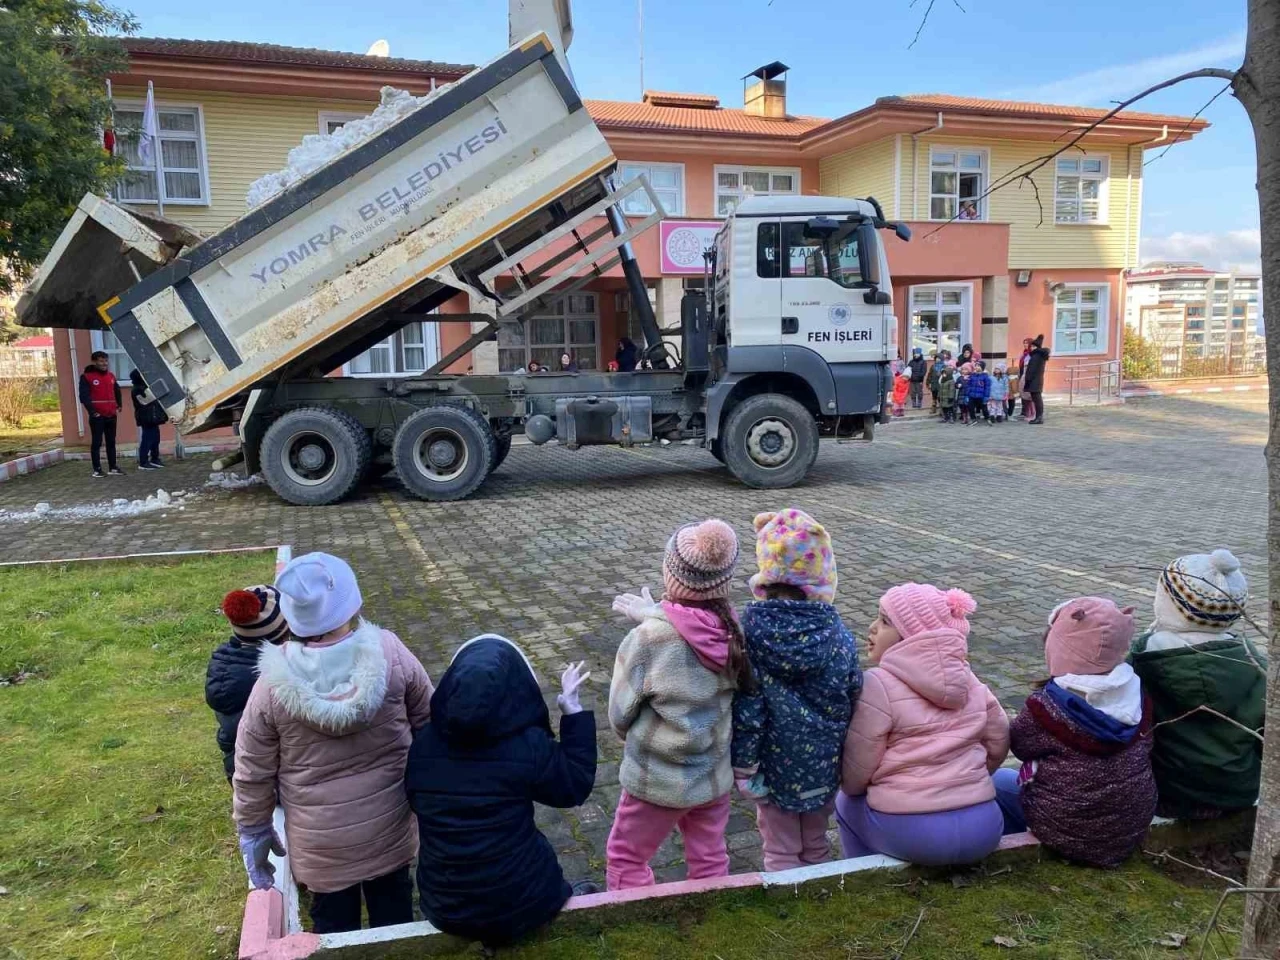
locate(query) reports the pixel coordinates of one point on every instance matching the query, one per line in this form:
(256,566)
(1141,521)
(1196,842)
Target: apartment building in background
(1196,314)
(988,264)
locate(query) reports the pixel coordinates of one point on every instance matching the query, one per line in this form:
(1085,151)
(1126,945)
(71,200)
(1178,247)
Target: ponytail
(739,665)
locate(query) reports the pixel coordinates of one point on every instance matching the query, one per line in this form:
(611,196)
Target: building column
(484,358)
(994,338)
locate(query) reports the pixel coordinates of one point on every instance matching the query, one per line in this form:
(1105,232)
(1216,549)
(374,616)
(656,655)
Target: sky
(845,55)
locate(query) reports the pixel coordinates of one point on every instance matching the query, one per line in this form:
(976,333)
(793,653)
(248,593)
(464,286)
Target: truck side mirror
(902,232)
(868,254)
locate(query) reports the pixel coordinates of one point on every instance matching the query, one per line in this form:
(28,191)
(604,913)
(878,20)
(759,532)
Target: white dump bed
(332,264)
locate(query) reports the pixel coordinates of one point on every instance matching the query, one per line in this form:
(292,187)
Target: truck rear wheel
(717,448)
(502,446)
(444,453)
(314,456)
(770,441)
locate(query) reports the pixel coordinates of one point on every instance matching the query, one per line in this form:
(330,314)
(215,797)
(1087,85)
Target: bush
(1141,357)
(17,399)
(46,402)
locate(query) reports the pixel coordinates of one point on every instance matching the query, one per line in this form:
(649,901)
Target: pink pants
(793,839)
(640,827)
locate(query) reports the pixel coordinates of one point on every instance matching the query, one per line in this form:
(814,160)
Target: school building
(1045,255)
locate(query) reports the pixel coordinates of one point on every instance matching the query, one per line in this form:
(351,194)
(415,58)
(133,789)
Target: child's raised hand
(571,679)
(636,608)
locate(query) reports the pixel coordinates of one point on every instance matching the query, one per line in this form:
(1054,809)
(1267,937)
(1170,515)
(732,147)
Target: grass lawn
(115,820)
(29,438)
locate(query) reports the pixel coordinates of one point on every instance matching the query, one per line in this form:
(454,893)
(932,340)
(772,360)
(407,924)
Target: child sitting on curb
(327,731)
(1207,686)
(671,701)
(485,872)
(256,619)
(1085,787)
(925,738)
(788,732)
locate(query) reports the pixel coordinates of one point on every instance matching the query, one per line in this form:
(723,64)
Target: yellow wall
(865,171)
(245,136)
(1031,244)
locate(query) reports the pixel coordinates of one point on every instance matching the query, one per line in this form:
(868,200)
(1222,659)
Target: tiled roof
(626,115)
(1016,108)
(292,56)
(659,98)
(38,342)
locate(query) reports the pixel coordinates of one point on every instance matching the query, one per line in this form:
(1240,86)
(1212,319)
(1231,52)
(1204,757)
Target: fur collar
(335,688)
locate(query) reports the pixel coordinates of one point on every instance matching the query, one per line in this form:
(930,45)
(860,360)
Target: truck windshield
(804,255)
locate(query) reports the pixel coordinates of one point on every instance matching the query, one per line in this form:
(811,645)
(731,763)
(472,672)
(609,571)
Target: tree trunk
(1258,89)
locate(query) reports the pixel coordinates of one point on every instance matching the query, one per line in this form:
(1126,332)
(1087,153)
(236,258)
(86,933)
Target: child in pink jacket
(327,731)
(925,738)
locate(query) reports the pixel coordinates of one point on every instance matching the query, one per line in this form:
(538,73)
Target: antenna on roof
(640,30)
(379,48)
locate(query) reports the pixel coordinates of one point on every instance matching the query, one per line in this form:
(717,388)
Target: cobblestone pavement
(1022,517)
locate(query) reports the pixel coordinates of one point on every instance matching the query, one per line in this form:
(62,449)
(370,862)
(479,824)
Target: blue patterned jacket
(807,681)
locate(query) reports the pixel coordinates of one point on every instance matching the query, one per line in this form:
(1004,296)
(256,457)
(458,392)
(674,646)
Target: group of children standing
(375,767)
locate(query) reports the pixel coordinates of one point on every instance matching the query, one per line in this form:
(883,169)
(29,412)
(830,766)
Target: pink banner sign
(683,243)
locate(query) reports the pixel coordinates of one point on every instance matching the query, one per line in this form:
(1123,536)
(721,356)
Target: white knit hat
(318,593)
(1206,589)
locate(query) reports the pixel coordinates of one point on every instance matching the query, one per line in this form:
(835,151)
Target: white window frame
(395,348)
(564,345)
(739,192)
(327,117)
(638,205)
(1104,320)
(1103,179)
(965,307)
(985,173)
(118,356)
(206,197)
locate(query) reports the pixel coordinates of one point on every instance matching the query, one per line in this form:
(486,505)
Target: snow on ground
(316,150)
(121,507)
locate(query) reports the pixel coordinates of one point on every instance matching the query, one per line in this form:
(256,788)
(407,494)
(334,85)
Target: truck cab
(801,313)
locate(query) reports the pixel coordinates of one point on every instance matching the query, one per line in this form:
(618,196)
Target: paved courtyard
(1021,517)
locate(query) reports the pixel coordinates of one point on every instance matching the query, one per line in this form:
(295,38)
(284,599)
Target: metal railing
(1093,381)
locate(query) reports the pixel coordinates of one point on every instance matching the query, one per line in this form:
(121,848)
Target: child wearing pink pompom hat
(924,740)
(671,701)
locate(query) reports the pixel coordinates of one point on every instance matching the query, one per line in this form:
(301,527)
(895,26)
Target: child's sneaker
(116,472)
(145,466)
(98,475)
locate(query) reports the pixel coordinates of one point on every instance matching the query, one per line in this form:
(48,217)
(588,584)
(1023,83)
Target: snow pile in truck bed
(316,149)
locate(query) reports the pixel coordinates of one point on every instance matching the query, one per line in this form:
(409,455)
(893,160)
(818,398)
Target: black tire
(770,427)
(502,446)
(444,453)
(717,448)
(313,456)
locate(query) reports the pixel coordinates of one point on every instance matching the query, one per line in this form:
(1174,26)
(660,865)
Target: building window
(1196,310)
(1080,190)
(735,183)
(570,326)
(957,180)
(182,156)
(939,319)
(667,180)
(1080,325)
(410,350)
(333,122)
(117,357)
(1195,324)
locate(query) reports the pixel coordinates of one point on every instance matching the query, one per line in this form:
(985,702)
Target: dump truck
(499,186)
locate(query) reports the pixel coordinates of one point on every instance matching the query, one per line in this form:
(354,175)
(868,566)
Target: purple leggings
(945,837)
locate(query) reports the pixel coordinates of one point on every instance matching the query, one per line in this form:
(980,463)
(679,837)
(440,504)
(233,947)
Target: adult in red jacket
(100,395)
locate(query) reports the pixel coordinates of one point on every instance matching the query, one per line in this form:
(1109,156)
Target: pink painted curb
(263,921)
(29,464)
(678,888)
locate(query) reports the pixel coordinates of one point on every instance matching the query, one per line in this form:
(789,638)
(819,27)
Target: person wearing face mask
(924,740)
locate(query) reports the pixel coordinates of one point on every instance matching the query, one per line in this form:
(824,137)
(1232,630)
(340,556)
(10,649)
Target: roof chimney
(765,91)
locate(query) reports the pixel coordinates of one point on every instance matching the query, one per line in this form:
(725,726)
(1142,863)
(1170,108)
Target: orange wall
(1031,313)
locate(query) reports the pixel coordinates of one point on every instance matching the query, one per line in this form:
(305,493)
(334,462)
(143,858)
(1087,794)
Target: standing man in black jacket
(1033,376)
(149,415)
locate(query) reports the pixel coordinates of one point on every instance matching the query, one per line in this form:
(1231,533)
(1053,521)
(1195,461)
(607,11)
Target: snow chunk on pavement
(317,150)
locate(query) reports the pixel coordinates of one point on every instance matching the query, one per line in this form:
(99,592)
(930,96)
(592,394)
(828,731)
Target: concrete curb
(267,934)
(29,464)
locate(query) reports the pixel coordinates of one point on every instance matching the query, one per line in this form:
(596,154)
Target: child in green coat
(1207,686)
(947,389)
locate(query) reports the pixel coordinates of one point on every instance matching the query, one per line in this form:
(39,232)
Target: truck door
(823,305)
(757,285)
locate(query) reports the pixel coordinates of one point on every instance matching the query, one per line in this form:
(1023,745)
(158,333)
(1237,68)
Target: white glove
(636,608)
(570,681)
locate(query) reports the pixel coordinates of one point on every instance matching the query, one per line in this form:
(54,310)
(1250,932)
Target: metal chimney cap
(768,71)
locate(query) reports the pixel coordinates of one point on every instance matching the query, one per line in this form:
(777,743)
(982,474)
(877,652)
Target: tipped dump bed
(335,263)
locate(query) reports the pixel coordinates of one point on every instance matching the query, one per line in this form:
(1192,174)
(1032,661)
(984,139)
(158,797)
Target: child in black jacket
(485,871)
(255,617)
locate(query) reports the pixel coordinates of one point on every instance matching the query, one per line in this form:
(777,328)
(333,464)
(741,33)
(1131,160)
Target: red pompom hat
(255,614)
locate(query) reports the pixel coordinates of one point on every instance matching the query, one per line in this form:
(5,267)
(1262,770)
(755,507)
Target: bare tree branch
(1209,710)
(1025,171)
(925,19)
(1187,126)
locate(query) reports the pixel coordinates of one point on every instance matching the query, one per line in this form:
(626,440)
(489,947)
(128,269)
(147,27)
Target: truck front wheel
(444,453)
(770,441)
(314,456)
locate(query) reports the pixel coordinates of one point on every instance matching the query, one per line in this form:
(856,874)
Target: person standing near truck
(1033,377)
(100,395)
(149,415)
(919,368)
